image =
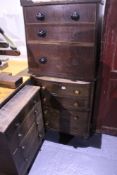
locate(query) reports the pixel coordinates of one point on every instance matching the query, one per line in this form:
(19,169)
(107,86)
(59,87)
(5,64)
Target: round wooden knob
(75,16)
(43,60)
(42,33)
(40,16)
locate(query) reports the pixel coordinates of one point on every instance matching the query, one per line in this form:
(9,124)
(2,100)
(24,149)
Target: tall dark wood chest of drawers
(21,131)
(62,38)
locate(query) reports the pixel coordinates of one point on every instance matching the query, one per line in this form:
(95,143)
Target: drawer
(66,102)
(23,112)
(66,61)
(67,121)
(19,160)
(21,129)
(61,33)
(64,87)
(33,138)
(61,13)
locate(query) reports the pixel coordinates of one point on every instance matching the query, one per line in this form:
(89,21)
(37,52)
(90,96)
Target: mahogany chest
(62,45)
(21,131)
(62,38)
(67,105)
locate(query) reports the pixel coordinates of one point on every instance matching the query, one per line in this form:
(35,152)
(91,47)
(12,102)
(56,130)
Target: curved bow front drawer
(64,88)
(67,121)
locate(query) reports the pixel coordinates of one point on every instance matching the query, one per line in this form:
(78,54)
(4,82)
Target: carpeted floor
(74,156)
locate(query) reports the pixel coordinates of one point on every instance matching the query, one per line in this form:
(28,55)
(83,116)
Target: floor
(75,156)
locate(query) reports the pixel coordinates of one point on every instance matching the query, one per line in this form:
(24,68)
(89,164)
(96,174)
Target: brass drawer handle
(44,99)
(75,16)
(34,102)
(63,87)
(46,123)
(76,118)
(36,112)
(45,112)
(17,125)
(22,147)
(43,87)
(40,16)
(77,92)
(26,159)
(76,104)
(37,123)
(19,135)
(40,135)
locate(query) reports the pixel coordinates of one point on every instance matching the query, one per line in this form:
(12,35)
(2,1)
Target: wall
(11,20)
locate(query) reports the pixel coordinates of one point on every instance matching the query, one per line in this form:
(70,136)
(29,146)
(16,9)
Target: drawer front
(61,89)
(19,161)
(66,102)
(21,116)
(62,61)
(70,122)
(34,115)
(29,144)
(70,33)
(61,13)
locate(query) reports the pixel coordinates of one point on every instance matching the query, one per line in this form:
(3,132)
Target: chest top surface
(13,107)
(44,2)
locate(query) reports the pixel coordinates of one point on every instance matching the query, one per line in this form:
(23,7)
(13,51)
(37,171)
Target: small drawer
(21,129)
(66,102)
(69,13)
(61,33)
(66,61)
(67,121)
(33,138)
(19,160)
(25,111)
(64,88)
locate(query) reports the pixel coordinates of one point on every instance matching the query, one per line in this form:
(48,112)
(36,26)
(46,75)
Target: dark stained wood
(65,61)
(66,121)
(61,13)
(62,40)
(107,112)
(70,33)
(65,88)
(21,131)
(65,103)
(62,101)
(10,81)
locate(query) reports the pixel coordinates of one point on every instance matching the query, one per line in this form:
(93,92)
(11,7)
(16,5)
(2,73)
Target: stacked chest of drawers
(21,131)
(62,56)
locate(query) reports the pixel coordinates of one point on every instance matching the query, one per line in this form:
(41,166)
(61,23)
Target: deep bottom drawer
(71,122)
(66,61)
